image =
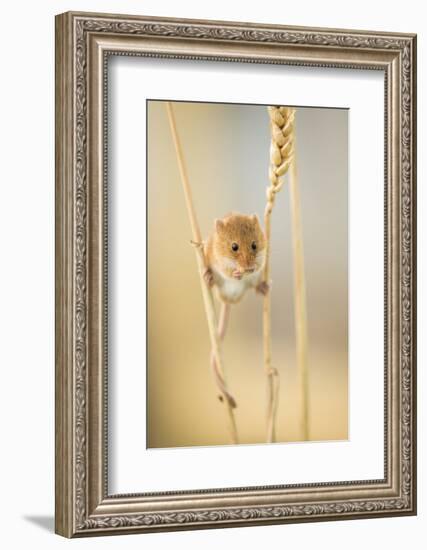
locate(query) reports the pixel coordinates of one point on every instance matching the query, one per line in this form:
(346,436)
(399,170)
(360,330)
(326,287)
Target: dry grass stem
(300,300)
(208,299)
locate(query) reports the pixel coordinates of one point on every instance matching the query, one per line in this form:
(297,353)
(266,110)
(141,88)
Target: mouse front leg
(209,276)
(262,288)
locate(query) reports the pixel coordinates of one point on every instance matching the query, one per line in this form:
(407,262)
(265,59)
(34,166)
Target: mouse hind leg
(222,328)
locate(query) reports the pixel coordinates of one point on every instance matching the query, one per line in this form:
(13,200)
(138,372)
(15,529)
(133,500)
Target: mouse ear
(219,225)
(255,219)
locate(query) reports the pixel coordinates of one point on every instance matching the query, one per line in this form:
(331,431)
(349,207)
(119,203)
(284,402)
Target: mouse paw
(262,288)
(208,276)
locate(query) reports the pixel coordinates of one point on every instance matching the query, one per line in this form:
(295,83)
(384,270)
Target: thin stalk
(300,298)
(281,154)
(208,299)
(271,373)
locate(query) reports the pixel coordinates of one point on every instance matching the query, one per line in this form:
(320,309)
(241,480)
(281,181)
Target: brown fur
(242,230)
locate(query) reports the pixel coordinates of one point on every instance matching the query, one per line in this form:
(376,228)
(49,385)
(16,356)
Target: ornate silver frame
(83,42)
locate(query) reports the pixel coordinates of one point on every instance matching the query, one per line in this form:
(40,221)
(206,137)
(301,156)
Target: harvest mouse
(235,257)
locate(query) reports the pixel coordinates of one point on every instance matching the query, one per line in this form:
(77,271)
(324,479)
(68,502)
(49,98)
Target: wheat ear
(281,155)
(208,300)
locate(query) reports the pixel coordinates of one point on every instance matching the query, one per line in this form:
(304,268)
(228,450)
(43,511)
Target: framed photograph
(235,274)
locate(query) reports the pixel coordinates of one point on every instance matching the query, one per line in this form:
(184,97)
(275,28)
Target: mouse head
(239,245)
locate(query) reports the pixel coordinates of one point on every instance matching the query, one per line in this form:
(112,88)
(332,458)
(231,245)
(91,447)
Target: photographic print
(235,274)
(247,255)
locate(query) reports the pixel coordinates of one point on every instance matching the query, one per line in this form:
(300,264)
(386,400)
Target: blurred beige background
(227,153)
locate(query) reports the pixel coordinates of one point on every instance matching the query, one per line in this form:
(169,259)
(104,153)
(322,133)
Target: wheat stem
(208,300)
(281,155)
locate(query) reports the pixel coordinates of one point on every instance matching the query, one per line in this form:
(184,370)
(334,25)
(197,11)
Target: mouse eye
(253,245)
(234,247)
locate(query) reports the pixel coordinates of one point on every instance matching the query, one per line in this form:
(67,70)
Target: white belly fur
(232,290)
